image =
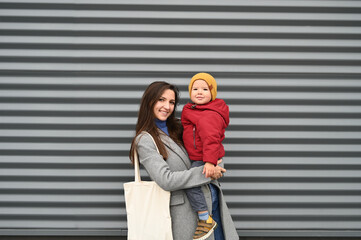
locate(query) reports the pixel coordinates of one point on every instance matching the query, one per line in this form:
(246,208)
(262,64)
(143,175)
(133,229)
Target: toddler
(204,122)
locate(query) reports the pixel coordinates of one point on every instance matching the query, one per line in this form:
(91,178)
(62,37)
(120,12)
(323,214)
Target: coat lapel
(171,145)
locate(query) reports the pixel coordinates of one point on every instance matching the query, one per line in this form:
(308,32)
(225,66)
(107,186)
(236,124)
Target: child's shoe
(205,228)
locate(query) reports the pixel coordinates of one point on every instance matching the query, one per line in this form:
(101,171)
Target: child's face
(200,93)
(165,105)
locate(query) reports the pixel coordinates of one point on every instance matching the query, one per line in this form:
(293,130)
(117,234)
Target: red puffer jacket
(204,127)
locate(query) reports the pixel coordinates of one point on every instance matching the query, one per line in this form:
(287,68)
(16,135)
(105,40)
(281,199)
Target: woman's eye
(172,103)
(161,100)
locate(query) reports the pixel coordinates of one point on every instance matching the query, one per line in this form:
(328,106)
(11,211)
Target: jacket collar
(180,151)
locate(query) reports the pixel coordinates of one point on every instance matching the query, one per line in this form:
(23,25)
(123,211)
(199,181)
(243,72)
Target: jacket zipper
(194,137)
(194,130)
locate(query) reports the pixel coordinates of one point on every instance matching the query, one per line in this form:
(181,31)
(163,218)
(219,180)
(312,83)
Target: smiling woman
(159,102)
(165,105)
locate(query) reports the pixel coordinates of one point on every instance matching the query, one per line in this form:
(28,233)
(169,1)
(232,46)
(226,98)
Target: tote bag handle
(136,161)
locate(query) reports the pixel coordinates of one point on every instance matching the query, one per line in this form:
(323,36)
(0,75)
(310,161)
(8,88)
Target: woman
(170,169)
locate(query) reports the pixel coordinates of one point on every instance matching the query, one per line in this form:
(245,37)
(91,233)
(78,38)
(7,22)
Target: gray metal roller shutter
(72,74)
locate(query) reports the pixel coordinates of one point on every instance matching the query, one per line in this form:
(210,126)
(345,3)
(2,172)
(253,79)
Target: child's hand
(209,169)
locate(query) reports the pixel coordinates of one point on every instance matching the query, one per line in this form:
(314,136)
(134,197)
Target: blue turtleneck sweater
(162,125)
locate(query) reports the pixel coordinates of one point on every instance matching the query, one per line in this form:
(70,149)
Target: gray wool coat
(174,175)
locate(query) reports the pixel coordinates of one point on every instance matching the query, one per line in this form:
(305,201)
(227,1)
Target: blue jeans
(218,233)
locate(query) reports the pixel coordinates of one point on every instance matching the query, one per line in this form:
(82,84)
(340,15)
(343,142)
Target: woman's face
(164,107)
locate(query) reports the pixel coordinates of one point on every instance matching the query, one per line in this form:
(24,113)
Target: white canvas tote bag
(147,207)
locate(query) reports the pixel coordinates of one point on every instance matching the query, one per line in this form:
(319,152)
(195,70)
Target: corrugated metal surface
(72,73)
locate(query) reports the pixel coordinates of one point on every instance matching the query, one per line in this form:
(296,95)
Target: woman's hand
(218,171)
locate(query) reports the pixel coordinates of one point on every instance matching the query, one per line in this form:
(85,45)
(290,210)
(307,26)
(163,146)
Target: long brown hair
(146,117)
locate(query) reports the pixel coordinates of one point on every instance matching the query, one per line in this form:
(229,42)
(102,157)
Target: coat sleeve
(159,171)
(210,130)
